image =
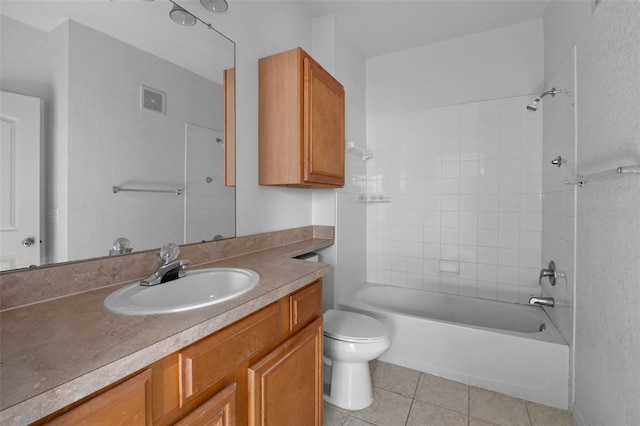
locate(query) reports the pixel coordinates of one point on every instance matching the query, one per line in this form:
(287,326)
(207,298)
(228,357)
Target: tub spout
(542,301)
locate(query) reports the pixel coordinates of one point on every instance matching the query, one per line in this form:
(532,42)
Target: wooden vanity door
(219,410)
(323,126)
(281,391)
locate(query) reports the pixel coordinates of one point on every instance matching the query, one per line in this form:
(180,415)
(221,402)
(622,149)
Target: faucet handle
(550,273)
(168,253)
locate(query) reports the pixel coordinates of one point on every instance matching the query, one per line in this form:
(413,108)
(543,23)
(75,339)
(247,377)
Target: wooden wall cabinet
(300,122)
(263,369)
(229,127)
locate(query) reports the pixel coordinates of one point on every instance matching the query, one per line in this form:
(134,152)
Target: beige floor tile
(497,408)
(353,421)
(387,409)
(395,379)
(333,416)
(424,414)
(373,364)
(541,415)
(478,422)
(444,393)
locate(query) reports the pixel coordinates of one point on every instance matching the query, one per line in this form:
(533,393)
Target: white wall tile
(487,238)
(488,290)
(466,185)
(468,219)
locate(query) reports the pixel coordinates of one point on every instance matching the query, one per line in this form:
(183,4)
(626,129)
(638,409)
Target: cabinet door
(285,387)
(219,410)
(126,404)
(323,126)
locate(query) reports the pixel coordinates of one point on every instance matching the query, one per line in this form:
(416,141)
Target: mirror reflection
(116,123)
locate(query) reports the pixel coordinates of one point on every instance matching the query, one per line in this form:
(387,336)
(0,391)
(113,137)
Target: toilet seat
(353,327)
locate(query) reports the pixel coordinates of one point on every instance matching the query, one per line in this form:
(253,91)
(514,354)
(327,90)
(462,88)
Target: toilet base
(350,385)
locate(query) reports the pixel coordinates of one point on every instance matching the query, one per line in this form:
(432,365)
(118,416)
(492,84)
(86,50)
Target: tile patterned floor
(404,397)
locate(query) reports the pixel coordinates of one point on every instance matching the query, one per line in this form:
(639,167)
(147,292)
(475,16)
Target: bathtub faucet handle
(550,273)
(542,301)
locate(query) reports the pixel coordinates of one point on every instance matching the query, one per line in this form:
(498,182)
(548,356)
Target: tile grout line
(526,406)
(413,399)
(468,405)
(406,422)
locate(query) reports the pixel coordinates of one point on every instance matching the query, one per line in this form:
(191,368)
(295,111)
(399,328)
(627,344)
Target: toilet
(351,340)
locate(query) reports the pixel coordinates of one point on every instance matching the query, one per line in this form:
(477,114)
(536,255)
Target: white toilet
(351,340)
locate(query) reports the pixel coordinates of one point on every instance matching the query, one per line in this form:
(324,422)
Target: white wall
(337,54)
(107,122)
(78,185)
(260,29)
(488,65)
(607,336)
(34,49)
(34,63)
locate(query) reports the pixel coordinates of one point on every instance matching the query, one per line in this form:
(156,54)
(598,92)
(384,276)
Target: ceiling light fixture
(181,16)
(215,5)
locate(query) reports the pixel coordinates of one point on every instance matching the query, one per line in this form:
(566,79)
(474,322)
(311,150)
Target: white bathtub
(488,344)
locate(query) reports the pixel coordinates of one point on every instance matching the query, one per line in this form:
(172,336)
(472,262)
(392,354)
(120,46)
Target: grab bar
(176,191)
(623,170)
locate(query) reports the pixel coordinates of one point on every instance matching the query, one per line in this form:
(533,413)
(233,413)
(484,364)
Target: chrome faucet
(169,268)
(542,301)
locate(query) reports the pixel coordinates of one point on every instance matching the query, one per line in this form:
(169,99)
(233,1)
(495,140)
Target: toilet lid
(353,327)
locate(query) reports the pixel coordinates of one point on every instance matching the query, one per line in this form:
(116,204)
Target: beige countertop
(58,351)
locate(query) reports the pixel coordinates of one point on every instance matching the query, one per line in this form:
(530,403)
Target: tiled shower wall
(209,204)
(464,215)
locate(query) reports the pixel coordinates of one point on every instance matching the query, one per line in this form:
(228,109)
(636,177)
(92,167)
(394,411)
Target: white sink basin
(199,288)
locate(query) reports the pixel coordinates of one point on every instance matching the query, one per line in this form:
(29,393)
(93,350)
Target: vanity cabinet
(263,369)
(300,122)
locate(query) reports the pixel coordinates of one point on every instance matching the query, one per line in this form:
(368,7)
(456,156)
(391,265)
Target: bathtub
(504,347)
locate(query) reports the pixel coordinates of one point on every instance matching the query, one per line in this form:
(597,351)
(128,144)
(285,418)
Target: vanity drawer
(127,403)
(306,305)
(207,362)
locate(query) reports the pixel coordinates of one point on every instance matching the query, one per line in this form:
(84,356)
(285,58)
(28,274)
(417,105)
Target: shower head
(533,106)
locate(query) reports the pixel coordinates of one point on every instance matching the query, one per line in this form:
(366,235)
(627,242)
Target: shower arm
(553,92)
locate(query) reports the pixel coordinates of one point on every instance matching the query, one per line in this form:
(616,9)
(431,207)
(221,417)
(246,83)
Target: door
(21,138)
(323,126)
(285,387)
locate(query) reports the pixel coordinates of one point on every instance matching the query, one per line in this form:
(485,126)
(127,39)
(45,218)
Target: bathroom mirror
(133,124)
